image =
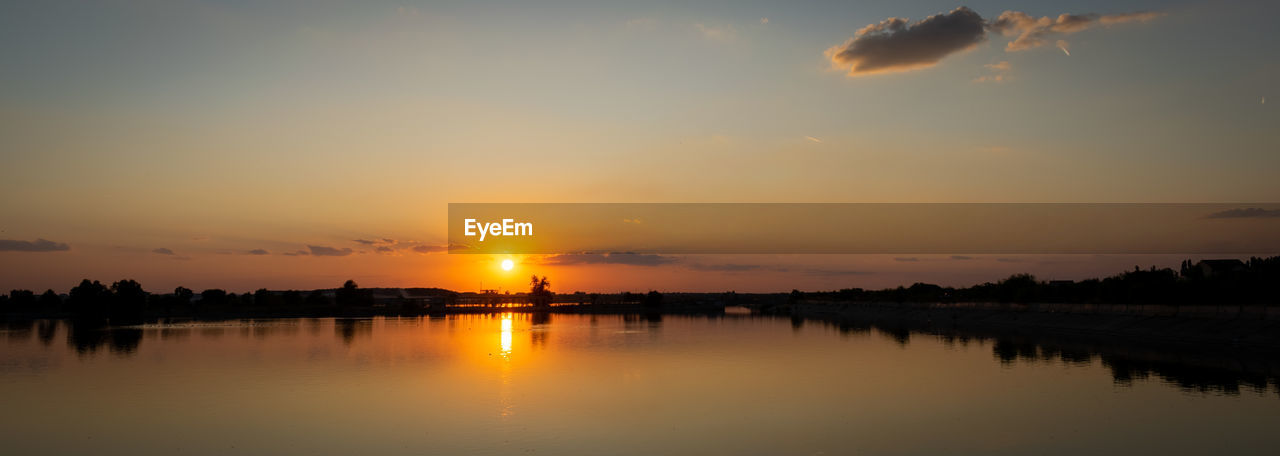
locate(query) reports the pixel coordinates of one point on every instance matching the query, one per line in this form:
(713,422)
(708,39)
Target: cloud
(320,250)
(258,252)
(764,20)
(38,245)
(430,248)
(717,33)
(162,251)
(297,253)
(1032,32)
(1252,212)
(998,71)
(1140,16)
(961,257)
(813,139)
(730,267)
(634,259)
(897,45)
(906,259)
(365,241)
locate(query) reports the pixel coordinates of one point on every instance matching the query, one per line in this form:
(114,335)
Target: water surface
(606,384)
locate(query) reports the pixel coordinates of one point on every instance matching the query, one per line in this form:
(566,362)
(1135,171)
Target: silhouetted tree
(128,303)
(316,299)
(292,299)
(653,299)
(350,295)
(89,301)
(184,295)
(265,299)
(540,294)
(213,299)
(22,300)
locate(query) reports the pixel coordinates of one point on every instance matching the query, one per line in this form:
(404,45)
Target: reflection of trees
(19,329)
(899,335)
(1189,368)
(125,341)
(46,330)
(86,339)
(348,329)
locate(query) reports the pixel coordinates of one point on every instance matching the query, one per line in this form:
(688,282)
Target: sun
(507,265)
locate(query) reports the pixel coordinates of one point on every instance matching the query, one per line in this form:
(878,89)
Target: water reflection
(46,330)
(348,329)
(473,384)
(86,339)
(1191,369)
(504,337)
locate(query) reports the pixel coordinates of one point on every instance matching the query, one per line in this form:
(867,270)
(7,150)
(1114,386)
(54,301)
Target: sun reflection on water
(505,338)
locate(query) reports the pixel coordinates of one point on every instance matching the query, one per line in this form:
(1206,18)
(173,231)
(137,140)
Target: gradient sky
(166,140)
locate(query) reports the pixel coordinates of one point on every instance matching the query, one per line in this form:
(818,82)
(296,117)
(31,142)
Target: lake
(609,384)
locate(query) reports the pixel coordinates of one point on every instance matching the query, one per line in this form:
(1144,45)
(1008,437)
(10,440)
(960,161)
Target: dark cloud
(430,248)
(297,253)
(259,252)
(909,259)
(1252,212)
(380,241)
(384,249)
(320,250)
(961,257)
(633,259)
(897,45)
(162,251)
(38,245)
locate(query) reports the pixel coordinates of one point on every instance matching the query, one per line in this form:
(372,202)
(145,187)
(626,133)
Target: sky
(295,144)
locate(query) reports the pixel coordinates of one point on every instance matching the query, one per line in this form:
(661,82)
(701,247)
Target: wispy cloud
(997,71)
(430,248)
(634,259)
(717,32)
(259,252)
(162,251)
(813,139)
(320,250)
(38,245)
(1033,32)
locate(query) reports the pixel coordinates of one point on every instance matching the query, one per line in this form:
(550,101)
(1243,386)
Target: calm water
(580,384)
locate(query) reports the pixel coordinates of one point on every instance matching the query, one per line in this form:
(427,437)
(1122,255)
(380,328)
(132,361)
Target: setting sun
(507,265)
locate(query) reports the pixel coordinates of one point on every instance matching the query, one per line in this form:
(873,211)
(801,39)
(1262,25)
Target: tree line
(1256,281)
(126,302)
